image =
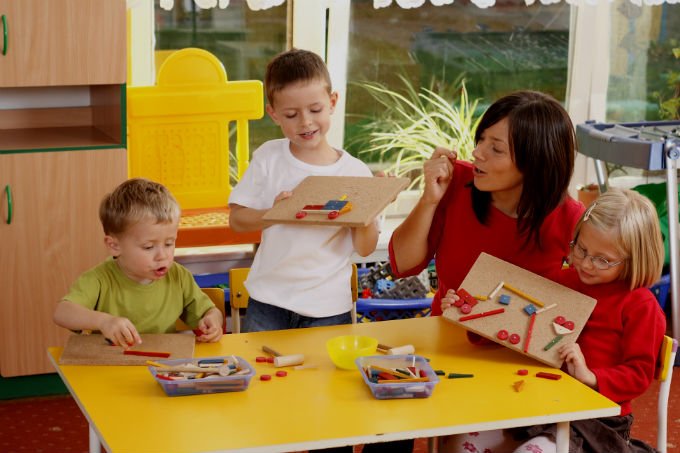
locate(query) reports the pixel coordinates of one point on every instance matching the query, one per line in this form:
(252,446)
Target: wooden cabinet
(53,235)
(62,42)
(57,160)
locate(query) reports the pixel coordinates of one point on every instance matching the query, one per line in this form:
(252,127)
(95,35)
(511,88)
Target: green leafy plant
(669,100)
(413,122)
(670,108)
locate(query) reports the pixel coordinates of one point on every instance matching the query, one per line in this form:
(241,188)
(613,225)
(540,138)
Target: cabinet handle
(4,34)
(8,191)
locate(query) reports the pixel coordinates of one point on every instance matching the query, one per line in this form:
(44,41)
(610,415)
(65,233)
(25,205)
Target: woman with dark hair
(510,202)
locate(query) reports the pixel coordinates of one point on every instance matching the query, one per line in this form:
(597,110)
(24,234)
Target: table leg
(562,437)
(95,446)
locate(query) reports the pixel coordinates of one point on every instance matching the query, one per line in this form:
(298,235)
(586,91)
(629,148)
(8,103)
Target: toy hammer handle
(269,350)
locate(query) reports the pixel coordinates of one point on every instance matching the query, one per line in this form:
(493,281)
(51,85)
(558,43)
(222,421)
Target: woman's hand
(437,173)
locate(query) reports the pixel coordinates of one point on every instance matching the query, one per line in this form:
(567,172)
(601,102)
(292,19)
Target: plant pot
(588,193)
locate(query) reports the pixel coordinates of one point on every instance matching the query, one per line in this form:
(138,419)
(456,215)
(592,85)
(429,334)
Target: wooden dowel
(524,295)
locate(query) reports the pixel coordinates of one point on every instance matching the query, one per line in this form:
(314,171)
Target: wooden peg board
(94,350)
(485,275)
(368,195)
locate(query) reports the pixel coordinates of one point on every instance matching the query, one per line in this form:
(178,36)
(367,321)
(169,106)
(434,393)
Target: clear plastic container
(197,386)
(393,390)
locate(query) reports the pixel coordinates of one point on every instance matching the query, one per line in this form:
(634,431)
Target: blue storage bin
(661,290)
(369,310)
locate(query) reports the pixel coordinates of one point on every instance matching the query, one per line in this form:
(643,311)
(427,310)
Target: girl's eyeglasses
(599,262)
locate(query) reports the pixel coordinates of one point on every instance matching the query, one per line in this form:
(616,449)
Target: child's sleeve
(252,185)
(644,326)
(196,302)
(85,290)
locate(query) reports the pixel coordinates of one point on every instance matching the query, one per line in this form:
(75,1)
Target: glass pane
(242,39)
(643,70)
(495,50)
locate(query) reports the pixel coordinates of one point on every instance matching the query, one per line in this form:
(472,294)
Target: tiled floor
(55,424)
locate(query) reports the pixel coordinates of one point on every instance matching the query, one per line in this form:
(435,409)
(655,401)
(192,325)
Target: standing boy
(300,276)
(140,289)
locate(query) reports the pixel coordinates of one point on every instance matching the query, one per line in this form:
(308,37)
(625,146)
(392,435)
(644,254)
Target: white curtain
(264,4)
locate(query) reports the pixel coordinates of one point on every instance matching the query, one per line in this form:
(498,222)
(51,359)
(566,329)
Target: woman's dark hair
(542,141)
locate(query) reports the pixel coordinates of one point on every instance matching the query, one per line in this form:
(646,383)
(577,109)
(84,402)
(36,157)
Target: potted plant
(411,124)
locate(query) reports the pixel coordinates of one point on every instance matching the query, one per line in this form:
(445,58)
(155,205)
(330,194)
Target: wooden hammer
(284,360)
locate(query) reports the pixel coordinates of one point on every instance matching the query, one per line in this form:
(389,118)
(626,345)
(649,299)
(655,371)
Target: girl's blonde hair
(632,220)
(134,200)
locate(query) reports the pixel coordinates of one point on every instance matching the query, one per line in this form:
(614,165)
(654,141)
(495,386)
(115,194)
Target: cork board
(369,196)
(487,273)
(94,350)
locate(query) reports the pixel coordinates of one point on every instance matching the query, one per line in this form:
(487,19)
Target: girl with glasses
(616,254)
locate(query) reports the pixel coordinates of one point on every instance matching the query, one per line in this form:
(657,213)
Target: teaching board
(94,350)
(368,196)
(571,307)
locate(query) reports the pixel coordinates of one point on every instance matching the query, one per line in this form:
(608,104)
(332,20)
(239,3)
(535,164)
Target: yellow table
(325,407)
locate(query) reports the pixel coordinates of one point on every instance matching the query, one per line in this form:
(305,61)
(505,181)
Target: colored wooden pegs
(523,294)
(482,315)
(551,376)
(147,353)
(552,342)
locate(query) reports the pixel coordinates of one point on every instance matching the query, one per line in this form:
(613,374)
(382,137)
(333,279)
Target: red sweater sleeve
(643,327)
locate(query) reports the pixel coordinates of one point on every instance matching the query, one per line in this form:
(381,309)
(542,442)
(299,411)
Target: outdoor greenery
(414,121)
(669,99)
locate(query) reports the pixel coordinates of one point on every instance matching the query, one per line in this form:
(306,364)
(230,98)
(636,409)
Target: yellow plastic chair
(238,294)
(217,297)
(179,136)
(664,373)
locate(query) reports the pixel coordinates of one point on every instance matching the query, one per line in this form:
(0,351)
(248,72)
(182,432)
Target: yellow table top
(325,407)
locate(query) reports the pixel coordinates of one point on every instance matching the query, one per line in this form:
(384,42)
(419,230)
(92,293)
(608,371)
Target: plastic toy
(333,208)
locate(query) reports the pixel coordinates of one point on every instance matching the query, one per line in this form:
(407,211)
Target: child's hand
(120,331)
(576,364)
(282,196)
(210,326)
(449,299)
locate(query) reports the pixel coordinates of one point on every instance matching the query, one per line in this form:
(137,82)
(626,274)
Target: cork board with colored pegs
(519,309)
(351,201)
(95,350)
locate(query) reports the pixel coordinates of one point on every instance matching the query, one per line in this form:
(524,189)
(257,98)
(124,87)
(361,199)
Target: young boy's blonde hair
(634,225)
(293,66)
(135,200)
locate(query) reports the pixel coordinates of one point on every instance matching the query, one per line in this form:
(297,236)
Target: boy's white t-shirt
(301,268)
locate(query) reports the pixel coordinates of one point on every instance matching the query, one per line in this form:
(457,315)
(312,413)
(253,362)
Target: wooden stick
(546,308)
(498,287)
(403,381)
(530,329)
(147,353)
(482,315)
(524,295)
(269,350)
(393,372)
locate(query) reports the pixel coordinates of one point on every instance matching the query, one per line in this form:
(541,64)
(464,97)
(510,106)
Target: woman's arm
(409,240)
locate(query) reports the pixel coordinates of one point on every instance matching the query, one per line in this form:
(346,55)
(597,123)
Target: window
(242,39)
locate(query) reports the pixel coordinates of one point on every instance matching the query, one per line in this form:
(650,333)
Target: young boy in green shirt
(140,289)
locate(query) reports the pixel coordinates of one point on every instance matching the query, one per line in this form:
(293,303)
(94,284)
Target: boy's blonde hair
(632,220)
(134,200)
(293,66)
